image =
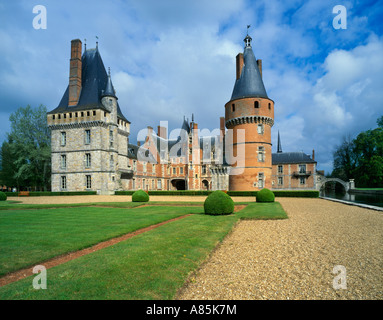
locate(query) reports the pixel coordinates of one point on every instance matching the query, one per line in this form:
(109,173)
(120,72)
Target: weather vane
(248,26)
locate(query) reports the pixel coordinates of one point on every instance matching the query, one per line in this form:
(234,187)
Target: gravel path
(294,258)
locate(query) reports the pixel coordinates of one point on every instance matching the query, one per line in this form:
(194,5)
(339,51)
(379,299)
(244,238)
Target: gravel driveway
(294,258)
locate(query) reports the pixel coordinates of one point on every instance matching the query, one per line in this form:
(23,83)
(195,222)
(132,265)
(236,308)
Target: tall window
(134,184)
(88,181)
(63,182)
(260,128)
(280,181)
(63,138)
(280,169)
(260,180)
(159,185)
(88,160)
(302,168)
(256,104)
(181,170)
(302,180)
(63,161)
(144,167)
(87,136)
(261,154)
(233,107)
(174,171)
(111,161)
(111,138)
(154,168)
(204,169)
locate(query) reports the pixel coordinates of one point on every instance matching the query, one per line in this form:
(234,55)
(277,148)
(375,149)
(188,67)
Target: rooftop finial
(248,27)
(109,71)
(85,44)
(97,43)
(247,39)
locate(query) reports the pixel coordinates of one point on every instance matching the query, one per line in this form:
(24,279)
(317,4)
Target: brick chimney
(313,155)
(222,128)
(162,132)
(259,63)
(75,72)
(239,64)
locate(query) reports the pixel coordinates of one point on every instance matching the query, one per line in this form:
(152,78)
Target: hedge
(140,196)
(49,193)
(277,193)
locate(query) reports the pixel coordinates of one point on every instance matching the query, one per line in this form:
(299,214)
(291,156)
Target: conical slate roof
(250,84)
(94,84)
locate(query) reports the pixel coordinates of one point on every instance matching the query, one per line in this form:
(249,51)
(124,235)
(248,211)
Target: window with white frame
(261,181)
(261,154)
(159,184)
(302,168)
(280,169)
(280,181)
(260,128)
(87,136)
(302,180)
(63,161)
(88,160)
(63,138)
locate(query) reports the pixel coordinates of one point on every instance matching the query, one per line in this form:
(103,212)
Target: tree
(344,160)
(361,158)
(29,148)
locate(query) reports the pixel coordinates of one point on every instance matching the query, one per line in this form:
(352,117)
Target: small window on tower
(256,104)
(269,105)
(233,107)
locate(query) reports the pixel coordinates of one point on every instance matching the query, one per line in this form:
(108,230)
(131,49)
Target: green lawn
(32,236)
(152,265)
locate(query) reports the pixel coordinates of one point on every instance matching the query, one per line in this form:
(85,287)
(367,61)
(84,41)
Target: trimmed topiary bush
(218,203)
(265,195)
(140,196)
(3,196)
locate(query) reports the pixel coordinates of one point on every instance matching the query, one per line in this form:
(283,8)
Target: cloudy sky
(172,58)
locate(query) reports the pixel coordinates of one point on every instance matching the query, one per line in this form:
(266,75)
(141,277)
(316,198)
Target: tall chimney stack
(313,155)
(75,72)
(259,63)
(239,65)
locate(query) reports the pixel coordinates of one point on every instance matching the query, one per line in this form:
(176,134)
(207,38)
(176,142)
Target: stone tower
(251,111)
(90,135)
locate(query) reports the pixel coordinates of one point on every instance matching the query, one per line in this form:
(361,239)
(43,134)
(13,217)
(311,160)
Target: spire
(249,84)
(279,144)
(109,90)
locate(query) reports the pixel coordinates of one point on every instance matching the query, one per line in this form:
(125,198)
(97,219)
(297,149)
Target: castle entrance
(179,184)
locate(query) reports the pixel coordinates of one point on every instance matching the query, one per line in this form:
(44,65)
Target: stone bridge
(347,185)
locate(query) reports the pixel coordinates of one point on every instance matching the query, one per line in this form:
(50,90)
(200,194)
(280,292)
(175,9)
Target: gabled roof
(94,81)
(291,157)
(250,84)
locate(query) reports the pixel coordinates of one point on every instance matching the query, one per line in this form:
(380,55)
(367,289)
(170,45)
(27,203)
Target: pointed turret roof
(250,84)
(279,149)
(109,90)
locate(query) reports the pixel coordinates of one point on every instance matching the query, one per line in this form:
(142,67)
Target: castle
(91,148)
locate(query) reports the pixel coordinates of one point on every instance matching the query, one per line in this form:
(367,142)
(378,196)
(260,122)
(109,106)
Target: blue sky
(171,58)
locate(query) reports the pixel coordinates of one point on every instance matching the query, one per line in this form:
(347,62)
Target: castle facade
(91,148)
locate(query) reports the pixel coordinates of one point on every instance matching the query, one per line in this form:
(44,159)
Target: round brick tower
(250,109)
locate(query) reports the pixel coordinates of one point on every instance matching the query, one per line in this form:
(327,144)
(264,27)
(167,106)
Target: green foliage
(3,196)
(265,195)
(140,196)
(361,158)
(25,157)
(296,193)
(218,203)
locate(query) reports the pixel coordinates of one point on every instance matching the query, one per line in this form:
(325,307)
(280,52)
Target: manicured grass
(31,236)
(263,211)
(152,265)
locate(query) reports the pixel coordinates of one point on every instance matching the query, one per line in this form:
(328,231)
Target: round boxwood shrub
(140,196)
(265,195)
(218,203)
(3,196)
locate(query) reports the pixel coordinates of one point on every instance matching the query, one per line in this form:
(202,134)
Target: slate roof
(94,81)
(291,157)
(250,84)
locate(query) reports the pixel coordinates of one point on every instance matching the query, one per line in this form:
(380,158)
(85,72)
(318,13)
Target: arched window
(269,105)
(256,104)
